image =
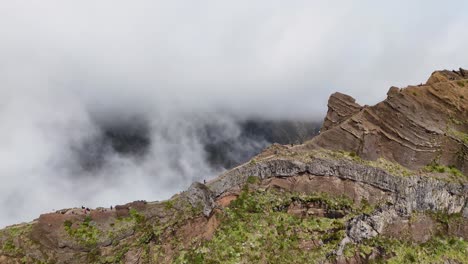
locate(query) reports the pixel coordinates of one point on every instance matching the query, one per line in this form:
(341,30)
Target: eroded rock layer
(414,126)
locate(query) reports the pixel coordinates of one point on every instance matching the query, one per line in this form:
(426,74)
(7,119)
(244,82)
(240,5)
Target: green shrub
(256,228)
(252,179)
(435,250)
(169,204)
(435,167)
(136,216)
(67,224)
(85,233)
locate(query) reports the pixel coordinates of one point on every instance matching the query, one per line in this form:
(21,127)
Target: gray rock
(411,193)
(199,194)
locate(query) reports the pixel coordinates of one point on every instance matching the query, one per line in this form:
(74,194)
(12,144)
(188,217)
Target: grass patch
(256,228)
(252,179)
(136,216)
(444,217)
(460,135)
(437,168)
(391,167)
(85,233)
(455,121)
(436,250)
(169,204)
(9,235)
(10,248)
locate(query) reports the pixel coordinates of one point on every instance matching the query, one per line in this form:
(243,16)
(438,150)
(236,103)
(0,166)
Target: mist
(78,78)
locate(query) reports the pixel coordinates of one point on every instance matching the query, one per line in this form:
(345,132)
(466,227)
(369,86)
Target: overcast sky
(65,64)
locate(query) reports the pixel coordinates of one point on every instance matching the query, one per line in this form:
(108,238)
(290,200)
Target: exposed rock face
(340,108)
(445,76)
(413,126)
(413,192)
(199,195)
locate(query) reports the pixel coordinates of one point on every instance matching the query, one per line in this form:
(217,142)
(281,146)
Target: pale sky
(66,65)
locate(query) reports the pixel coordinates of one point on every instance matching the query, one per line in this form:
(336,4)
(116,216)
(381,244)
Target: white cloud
(68,66)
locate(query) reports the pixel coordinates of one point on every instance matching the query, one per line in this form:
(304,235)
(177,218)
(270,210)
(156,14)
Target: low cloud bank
(78,78)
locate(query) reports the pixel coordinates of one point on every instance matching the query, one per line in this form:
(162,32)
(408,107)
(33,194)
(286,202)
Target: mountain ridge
(379,183)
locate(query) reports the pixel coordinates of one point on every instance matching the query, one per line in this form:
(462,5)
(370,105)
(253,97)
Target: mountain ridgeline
(380,184)
(228,153)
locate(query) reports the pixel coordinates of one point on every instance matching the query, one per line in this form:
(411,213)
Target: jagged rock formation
(340,108)
(413,126)
(446,76)
(358,192)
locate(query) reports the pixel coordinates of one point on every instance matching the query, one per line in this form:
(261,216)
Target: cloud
(70,69)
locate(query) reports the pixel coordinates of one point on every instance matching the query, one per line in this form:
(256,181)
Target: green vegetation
(67,224)
(85,233)
(143,233)
(444,217)
(252,179)
(391,167)
(435,167)
(436,250)
(366,207)
(461,83)
(455,121)
(9,235)
(256,227)
(10,248)
(460,135)
(136,216)
(439,249)
(169,204)
(117,257)
(17,230)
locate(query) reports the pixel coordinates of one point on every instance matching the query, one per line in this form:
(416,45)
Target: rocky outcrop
(412,193)
(340,108)
(414,126)
(445,76)
(199,195)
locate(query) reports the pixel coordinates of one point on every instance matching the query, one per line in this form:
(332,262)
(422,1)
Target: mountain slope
(375,185)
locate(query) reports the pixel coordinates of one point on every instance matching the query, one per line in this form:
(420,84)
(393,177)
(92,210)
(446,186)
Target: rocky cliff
(413,126)
(382,183)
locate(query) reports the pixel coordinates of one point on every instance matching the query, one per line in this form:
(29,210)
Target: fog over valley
(106,102)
